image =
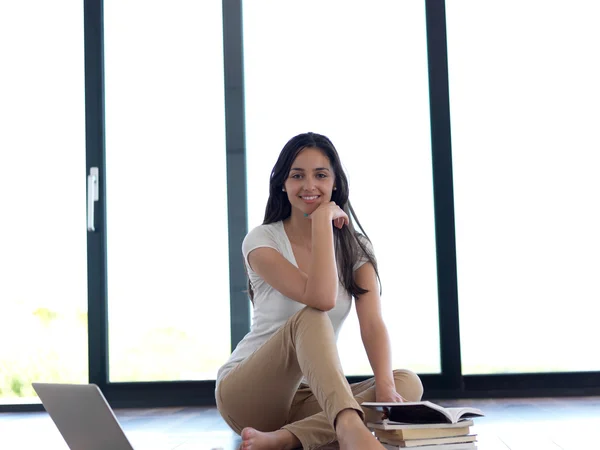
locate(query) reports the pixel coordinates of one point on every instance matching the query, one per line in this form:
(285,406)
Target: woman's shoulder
(365,251)
(271,229)
(263,235)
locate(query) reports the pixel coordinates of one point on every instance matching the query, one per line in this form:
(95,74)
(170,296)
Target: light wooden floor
(515,424)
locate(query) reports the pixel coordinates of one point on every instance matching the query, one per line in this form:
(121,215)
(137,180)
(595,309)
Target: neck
(299,227)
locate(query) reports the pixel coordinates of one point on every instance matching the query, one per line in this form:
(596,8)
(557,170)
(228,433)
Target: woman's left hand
(388,396)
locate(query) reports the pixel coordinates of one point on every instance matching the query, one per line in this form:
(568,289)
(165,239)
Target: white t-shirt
(272,309)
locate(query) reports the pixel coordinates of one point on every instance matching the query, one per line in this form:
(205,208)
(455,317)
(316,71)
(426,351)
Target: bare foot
(353,434)
(276,440)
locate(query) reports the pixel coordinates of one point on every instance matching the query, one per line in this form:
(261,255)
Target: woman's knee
(310,314)
(408,384)
(313,325)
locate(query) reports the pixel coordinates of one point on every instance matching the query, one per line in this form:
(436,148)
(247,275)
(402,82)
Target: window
(525,155)
(43,292)
(357,73)
(168,278)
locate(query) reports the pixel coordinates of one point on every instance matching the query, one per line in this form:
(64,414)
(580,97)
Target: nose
(309,183)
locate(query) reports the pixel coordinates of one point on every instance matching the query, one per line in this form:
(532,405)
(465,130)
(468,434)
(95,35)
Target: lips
(309,198)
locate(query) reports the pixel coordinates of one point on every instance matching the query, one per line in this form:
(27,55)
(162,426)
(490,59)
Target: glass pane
(525,151)
(43,287)
(168,276)
(363,83)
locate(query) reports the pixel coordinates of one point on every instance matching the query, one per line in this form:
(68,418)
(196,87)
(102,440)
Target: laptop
(84,417)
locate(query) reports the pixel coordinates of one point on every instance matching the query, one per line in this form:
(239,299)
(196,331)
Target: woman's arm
(374,334)
(318,287)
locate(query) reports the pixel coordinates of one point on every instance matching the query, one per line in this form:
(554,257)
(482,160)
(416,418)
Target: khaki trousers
(264,390)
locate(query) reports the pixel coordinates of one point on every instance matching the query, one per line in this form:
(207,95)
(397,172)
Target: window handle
(93,195)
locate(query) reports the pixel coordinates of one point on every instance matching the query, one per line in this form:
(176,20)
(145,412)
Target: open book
(423,412)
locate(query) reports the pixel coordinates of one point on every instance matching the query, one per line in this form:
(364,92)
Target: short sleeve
(362,257)
(260,236)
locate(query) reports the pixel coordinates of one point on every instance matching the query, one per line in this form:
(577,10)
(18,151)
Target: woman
(283,386)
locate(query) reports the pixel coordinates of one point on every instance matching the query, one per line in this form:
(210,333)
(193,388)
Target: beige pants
(264,391)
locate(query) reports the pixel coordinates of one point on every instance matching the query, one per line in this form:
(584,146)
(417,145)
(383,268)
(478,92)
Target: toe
(247,433)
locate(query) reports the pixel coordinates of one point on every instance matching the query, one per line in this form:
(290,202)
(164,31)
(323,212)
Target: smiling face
(310,181)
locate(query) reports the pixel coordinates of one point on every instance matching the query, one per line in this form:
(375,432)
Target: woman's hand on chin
(333,212)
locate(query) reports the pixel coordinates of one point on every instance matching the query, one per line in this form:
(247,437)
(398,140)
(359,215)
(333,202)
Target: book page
(463,413)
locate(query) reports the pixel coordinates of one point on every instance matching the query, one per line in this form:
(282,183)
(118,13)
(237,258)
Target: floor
(515,424)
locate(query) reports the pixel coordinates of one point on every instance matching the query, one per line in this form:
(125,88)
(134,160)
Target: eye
(296,176)
(321,175)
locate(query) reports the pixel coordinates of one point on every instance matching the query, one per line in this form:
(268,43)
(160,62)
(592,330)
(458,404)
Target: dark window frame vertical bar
(237,205)
(96,157)
(441,148)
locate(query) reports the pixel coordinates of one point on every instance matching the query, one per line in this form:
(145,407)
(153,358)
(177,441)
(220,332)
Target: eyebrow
(315,170)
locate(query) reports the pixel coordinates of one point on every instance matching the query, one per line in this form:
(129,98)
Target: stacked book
(424,426)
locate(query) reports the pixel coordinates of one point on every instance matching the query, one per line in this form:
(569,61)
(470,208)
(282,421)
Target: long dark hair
(349,244)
